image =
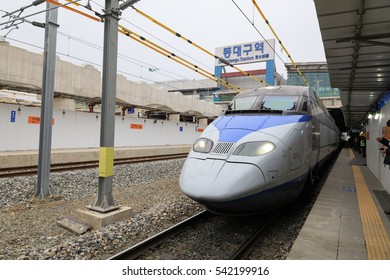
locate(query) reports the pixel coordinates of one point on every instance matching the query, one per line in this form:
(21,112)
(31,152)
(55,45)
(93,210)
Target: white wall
(374,157)
(82,130)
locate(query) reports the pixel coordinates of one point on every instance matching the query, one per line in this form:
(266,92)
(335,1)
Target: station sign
(252,52)
(136,126)
(36,120)
(13,116)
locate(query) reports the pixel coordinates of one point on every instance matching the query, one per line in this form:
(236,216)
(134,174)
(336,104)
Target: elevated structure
(22,70)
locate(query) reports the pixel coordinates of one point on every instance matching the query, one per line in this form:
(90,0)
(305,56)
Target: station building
(317,75)
(210,91)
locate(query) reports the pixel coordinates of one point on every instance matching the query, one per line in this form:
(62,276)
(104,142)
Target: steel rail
(58,167)
(246,249)
(137,250)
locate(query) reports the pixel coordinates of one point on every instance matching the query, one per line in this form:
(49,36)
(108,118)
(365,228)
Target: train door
(295,150)
(315,135)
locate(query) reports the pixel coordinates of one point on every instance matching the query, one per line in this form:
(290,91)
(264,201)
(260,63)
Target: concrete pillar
(64,104)
(174,117)
(203,121)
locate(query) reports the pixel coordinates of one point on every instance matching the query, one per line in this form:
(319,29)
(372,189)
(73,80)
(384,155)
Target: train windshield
(243,103)
(264,103)
(279,103)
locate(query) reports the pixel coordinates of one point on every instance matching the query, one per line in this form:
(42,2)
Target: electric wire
(281,44)
(35,3)
(43,11)
(151,35)
(129,59)
(258,31)
(98,19)
(197,46)
(58,4)
(175,57)
(90,62)
(127,32)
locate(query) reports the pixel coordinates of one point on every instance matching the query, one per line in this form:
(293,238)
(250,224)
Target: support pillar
(45,128)
(270,72)
(105,201)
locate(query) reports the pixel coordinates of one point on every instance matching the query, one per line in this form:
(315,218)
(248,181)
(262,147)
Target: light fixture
(377,115)
(370,116)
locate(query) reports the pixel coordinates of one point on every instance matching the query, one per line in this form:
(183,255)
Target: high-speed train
(260,153)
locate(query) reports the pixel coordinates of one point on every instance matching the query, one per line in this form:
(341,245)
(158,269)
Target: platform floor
(348,220)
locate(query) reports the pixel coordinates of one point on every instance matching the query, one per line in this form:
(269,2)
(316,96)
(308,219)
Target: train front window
(243,103)
(279,103)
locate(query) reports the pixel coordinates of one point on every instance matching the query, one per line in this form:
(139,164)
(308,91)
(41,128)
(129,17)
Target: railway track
(32,170)
(159,245)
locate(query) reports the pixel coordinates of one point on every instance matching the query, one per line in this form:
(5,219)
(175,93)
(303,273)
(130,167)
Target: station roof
(356,37)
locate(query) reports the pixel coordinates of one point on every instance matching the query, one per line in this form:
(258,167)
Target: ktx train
(261,152)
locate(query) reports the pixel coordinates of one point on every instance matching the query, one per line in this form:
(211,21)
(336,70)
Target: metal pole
(45,130)
(105,201)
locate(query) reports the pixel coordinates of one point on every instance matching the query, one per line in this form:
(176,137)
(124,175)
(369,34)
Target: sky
(208,23)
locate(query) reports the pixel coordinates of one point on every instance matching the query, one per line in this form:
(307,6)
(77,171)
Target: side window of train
(304,105)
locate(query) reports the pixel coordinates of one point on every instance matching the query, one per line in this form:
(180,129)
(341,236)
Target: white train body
(258,156)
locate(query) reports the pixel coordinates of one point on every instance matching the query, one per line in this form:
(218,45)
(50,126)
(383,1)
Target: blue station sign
(252,52)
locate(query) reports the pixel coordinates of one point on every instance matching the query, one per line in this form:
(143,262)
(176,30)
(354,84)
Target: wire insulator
(38,2)
(127,4)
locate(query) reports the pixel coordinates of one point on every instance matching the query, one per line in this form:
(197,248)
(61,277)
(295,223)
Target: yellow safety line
(375,234)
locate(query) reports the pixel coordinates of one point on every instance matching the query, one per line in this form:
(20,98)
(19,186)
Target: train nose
(218,180)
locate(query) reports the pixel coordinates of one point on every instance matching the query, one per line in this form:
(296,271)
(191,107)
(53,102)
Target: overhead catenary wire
(197,46)
(258,31)
(151,35)
(16,17)
(98,19)
(43,11)
(92,63)
(35,3)
(170,55)
(281,44)
(178,59)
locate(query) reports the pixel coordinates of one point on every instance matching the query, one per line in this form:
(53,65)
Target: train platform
(349,220)
(12,159)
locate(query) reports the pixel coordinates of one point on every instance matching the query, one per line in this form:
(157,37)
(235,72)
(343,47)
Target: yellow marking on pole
(106,162)
(375,234)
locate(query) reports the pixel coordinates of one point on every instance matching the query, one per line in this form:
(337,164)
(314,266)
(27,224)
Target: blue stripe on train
(233,128)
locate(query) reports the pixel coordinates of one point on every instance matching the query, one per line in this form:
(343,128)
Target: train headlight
(252,149)
(203,145)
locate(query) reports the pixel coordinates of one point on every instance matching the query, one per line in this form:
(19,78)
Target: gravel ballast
(29,227)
